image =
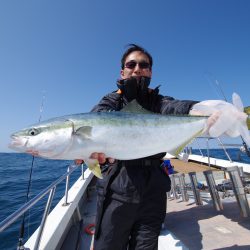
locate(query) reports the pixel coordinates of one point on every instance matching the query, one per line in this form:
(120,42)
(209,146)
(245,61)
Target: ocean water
(14,176)
(234,153)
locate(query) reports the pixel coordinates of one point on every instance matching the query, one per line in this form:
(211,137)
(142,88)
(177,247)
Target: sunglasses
(142,65)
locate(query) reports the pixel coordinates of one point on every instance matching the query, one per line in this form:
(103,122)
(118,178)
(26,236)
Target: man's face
(136,65)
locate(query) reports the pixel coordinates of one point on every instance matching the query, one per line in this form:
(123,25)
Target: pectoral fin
(84,132)
(94,167)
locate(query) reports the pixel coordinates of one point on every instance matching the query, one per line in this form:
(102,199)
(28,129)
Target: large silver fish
(122,135)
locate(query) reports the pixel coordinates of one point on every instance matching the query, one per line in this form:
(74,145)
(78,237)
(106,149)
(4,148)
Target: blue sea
(14,177)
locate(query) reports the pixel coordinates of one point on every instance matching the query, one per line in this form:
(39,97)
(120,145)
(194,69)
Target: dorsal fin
(135,107)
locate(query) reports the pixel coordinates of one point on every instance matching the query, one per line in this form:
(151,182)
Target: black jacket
(152,101)
(127,183)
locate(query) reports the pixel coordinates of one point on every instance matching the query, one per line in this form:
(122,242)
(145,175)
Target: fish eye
(33,132)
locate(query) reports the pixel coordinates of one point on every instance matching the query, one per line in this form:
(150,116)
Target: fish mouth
(18,143)
(15,142)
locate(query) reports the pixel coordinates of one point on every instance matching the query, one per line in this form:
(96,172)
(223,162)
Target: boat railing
(49,190)
(208,148)
(224,148)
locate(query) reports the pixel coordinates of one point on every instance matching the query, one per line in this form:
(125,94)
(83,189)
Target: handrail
(207,145)
(228,156)
(14,216)
(45,215)
(199,147)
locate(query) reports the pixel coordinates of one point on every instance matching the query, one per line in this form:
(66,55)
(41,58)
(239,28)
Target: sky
(65,55)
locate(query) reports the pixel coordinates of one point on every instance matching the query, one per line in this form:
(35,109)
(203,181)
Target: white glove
(225,118)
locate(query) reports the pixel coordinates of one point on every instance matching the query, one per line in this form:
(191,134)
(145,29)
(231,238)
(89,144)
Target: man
(132,195)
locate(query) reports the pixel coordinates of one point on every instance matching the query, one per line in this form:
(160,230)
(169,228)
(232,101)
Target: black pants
(132,208)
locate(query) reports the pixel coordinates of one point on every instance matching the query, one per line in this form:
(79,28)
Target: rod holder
(173,186)
(242,175)
(194,184)
(169,195)
(183,188)
(212,189)
(239,191)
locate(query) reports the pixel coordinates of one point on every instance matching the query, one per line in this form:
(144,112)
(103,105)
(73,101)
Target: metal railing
(208,149)
(51,190)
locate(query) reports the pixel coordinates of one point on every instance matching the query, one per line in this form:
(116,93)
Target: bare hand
(101,157)
(79,162)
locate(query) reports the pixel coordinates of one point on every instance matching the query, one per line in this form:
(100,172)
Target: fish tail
(178,150)
(248,122)
(247,111)
(232,121)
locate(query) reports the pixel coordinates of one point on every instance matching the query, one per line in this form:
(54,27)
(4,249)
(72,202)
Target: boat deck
(186,167)
(89,214)
(188,226)
(202,227)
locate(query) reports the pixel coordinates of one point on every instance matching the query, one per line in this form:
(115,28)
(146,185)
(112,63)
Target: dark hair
(132,48)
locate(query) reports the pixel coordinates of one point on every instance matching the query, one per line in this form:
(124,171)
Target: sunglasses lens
(130,65)
(142,65)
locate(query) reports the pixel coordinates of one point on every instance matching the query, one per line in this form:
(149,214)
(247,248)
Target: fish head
(48,140)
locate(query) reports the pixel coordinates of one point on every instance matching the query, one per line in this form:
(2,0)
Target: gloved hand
(225,118)
(134,86)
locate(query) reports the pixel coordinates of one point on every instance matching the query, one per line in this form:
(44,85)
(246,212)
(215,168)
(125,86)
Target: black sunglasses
(142,65)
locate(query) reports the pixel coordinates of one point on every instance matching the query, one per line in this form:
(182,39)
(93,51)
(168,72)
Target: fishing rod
(218,87)
(215,83)
(20,245)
